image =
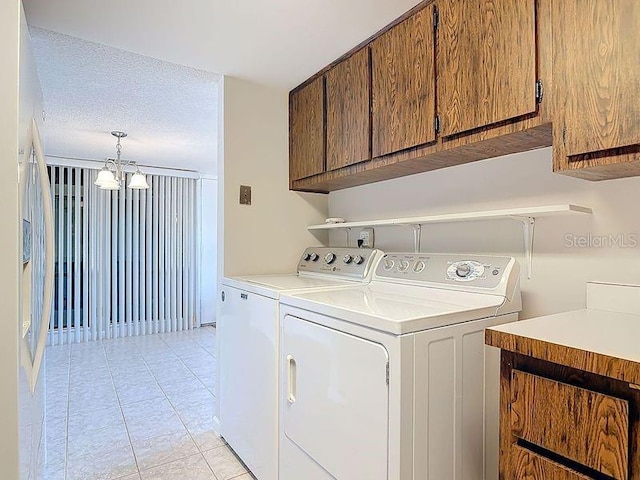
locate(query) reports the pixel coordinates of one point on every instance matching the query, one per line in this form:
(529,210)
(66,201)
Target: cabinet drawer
(587,427)
(531,466)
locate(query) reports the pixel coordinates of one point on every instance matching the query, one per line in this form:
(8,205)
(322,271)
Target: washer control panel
(474,270)
(352,262)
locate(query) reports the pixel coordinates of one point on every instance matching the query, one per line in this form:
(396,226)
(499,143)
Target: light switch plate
(245,195)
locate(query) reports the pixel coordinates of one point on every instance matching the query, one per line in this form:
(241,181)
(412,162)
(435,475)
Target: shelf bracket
(348,232)
(417,237)
(528,232)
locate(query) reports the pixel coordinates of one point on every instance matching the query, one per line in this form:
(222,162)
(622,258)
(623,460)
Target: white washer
(391,380)
(248,347)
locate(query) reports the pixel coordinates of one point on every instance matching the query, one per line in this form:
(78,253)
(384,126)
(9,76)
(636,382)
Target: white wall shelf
(526,216)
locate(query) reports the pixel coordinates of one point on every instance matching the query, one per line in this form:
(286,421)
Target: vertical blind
(126,259)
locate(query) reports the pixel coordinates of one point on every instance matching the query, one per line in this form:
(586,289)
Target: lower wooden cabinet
(581,425)
(559,423)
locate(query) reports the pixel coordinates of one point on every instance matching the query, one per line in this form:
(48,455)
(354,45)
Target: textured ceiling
(168,110)
(276,42)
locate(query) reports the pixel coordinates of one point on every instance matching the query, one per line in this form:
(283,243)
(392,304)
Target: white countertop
(599,331)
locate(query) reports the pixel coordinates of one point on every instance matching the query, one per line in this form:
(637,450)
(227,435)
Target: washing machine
(391,380)
(247,338)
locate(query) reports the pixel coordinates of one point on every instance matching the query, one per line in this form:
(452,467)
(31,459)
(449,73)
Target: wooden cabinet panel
(597,63)
(530,466)
(403,68)
(584,426)
(349,111)
(306,131)
(486,62)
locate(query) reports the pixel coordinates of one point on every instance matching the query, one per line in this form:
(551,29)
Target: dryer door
(336,399)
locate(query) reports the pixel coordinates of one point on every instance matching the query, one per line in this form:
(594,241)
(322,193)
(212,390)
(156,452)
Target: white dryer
(390,380)
(247,340)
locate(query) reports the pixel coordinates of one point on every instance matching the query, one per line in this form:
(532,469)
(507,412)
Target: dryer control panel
(351,262)
(478,271)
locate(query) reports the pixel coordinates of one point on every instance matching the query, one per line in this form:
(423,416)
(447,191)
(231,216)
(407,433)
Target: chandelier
(112,175)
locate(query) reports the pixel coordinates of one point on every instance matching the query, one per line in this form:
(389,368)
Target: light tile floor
(136,408)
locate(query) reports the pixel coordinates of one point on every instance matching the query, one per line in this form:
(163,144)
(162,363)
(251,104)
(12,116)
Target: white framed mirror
(38,251)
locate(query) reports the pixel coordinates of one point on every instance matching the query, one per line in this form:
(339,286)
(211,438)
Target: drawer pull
(634,386)
(244,296)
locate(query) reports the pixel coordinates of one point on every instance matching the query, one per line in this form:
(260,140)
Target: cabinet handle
(223,296)
(292,370)
(244,296)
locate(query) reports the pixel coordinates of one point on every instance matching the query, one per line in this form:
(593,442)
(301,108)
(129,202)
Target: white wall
(9,246)
(526,179)
(269,235)
(208,249)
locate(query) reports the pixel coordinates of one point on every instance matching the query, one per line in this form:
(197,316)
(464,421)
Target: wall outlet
(245,195)
(366,238)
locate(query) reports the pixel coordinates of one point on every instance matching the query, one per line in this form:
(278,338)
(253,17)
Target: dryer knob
(464,270)
(329,258)
(358,259)
(419,266)
(314,257)
(306,257)
(347,259)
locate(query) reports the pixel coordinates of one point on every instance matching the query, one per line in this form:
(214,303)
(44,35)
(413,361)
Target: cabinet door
(486,62)
(349,111)
(403,68)
(306,131)
(597,73)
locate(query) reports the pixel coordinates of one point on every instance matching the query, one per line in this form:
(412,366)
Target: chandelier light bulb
(138,181)
(105,177)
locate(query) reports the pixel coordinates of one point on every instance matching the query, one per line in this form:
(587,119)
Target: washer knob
(419,266)
(306,257)
(314,257)
(358,259)
(464,270)
(403,266)
(388,264)
(329,258)
(347,259)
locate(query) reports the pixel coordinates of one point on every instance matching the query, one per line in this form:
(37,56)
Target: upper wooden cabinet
(403,70)
(596,47)
(349,111)
(486,62)
(493,76)
(306,131)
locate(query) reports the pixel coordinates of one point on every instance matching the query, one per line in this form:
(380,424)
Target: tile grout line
(124,420)
(225,444)
(144,360)
(174,408)
(66,446)
(187,366)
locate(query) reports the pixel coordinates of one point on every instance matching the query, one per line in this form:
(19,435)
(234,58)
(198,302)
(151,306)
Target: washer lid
(401,309)
(273,285)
